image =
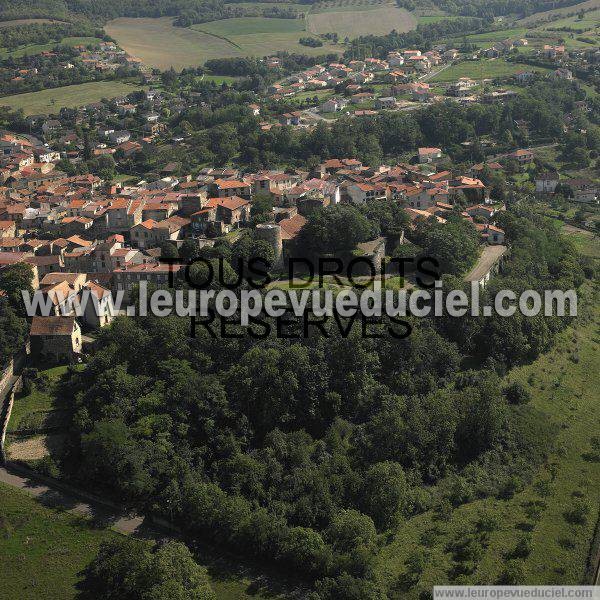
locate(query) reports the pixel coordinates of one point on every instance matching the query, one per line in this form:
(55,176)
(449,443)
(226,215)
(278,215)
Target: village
(403,80)
(82,233)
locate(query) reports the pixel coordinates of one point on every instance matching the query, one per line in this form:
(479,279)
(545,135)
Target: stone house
(57,339)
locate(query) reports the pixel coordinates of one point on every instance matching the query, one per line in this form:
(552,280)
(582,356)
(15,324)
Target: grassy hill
(563,384)
(160,44)
(52,100)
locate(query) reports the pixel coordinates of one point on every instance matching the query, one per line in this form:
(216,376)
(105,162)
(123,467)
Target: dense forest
(38,33)
(198,11)
(186,12)
(489,8)
(307,452)
(14,328)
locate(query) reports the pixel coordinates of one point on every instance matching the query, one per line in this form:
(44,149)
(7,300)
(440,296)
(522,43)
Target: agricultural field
(377,20)
(563,384)
(538,18)
(591,20)
(232,28)
(481,69)
(428,19)
(50,101)
(160,44)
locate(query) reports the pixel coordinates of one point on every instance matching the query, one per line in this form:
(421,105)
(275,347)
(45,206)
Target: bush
(487,523)
(311,42)
(26,386)
(523,548)
(512,574)
(578,513)
(516,393)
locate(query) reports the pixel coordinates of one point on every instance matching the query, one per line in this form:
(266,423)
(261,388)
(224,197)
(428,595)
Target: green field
(231,28)
(160,44)
(481,69)
(485,40)
(591,20)
(564,384)
(45,549)
(345,22)
(428,19)
(42,549)
(52,100)
(38,48)
(566,10)
(40,401)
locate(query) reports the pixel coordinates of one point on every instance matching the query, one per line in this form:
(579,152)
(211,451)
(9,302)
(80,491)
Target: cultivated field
(160,44)
(52,100)
(361,20)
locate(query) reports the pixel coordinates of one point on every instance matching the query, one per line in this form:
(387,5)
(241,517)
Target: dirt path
(97,510)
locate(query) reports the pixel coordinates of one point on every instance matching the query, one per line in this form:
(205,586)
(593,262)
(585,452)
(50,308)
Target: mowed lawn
(52,100)
(361,21)
(482,69)
(564,384)
(160,44)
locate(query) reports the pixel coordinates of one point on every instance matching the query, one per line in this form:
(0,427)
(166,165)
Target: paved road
(98,511)
(489,257)
(431,74)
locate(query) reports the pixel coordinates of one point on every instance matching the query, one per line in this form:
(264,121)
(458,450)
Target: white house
(99,309)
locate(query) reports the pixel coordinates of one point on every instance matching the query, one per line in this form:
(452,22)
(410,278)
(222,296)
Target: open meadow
(541,17)
(50,101)
(43,549)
